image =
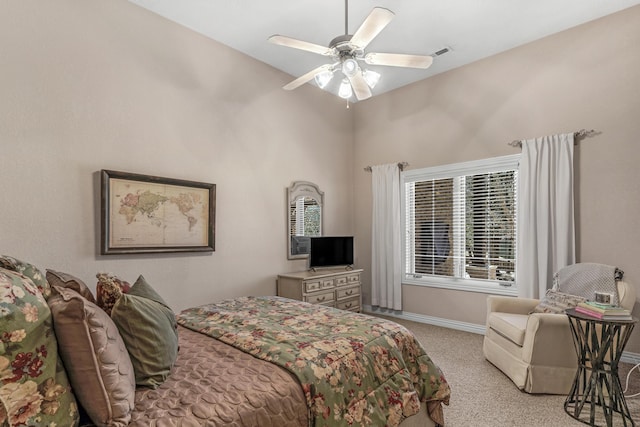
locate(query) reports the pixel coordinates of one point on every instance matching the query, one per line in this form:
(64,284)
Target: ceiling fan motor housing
(343,47)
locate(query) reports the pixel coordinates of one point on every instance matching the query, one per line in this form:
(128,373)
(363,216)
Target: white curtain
(386,237)
(546,230)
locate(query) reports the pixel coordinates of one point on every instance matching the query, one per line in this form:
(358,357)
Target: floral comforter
(354,369)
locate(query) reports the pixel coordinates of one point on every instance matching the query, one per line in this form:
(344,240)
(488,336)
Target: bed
(249,361)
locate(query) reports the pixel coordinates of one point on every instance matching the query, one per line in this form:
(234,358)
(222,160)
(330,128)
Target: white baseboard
(633,358)
(429,320)
(628,357)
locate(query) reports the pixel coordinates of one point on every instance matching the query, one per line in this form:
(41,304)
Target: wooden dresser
(339,288)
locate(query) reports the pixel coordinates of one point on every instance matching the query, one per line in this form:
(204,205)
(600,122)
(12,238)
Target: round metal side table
(596,387)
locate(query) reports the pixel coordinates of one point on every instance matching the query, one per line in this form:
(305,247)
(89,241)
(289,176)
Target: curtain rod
(578,134)
(401,165)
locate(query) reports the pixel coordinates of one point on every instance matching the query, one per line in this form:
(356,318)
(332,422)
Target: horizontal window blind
(460,224)
(305,217)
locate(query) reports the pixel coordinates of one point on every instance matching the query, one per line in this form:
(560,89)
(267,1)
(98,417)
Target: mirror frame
(302,189)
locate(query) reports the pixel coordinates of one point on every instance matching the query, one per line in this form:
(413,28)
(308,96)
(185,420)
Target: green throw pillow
(149,330)
(143,289)
(34,389)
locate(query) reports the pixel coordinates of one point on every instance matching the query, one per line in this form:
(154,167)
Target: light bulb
(345,90)
(349,67)
(323,78)
(371,77)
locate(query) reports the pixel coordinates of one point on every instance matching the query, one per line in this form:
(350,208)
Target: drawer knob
(321,299)
(349,292)
(349,305)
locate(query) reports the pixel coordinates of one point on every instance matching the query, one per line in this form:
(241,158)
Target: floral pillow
(29,270)
(109,290)
(34,389)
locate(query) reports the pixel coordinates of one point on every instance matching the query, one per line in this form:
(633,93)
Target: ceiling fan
(347,51)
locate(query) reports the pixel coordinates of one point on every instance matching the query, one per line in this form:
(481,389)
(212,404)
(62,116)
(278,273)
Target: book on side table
(603,311)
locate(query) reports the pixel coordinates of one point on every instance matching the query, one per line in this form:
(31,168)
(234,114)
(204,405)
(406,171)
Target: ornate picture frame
(152,214)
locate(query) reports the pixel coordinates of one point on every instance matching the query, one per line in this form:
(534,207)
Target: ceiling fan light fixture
(371,77)
(349,67)
(345,90)
(323,78)
(347,52)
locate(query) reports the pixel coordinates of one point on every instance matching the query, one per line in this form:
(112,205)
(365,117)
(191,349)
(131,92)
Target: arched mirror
(304,212)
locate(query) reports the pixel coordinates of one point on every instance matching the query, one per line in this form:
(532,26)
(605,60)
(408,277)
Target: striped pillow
(557,302)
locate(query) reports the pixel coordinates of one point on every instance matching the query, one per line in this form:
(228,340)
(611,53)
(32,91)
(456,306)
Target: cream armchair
(535,351)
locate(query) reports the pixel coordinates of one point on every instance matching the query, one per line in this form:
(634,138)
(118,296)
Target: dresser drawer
(316,285)
(347,292)
(319,297)
(328,304)
(326,284)
(352,304)
(353,278)
(312,285)
(341,281)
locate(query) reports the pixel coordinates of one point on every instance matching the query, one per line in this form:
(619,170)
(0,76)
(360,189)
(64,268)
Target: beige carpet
(481,395)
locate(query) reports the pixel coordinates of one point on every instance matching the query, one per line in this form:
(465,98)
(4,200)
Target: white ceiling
(472,29)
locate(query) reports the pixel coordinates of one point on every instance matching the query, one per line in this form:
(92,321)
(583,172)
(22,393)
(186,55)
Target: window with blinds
(460,223)
(305,217)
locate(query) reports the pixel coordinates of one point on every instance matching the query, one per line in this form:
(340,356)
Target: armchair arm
(513,305)
(548,341)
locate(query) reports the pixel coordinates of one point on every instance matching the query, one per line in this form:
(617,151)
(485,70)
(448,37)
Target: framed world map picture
(150,214)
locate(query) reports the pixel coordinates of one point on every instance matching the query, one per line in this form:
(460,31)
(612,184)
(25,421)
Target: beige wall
(586,77)
(97,85)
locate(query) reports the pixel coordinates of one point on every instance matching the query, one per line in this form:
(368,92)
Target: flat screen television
(331,251)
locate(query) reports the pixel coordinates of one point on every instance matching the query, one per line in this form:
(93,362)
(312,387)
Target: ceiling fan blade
(360,86)
(306,77)
(398,60)
(371,27)
(299,44)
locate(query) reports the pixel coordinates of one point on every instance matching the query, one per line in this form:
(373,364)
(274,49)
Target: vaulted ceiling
(471,29)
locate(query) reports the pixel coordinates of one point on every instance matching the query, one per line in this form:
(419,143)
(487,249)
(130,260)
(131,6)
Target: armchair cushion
(557,302)
(509,325)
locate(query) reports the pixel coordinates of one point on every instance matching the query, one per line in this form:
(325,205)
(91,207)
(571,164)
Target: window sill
(452,283)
